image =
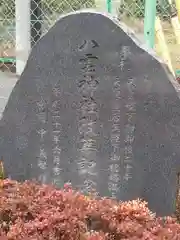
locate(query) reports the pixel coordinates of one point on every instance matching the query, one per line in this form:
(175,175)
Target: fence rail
(44,13)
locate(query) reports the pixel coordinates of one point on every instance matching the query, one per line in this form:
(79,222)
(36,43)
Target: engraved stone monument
(94,108)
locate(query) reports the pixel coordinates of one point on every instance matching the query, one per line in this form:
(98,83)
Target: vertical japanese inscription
(115,159)
(88,116)
(114,165)
(117,133)
(124,54)
(129,129)
(56,130)
(42,155)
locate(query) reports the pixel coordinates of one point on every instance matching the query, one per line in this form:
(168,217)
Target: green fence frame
(149,22)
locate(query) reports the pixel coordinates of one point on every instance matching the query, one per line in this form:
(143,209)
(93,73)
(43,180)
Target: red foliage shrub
(30,211)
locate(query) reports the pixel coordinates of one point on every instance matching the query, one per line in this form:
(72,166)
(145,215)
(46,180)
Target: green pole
(149,22)
(109,5)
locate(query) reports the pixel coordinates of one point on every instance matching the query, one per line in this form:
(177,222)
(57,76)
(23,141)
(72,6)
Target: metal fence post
(109,5)
(22,9)
(149,22)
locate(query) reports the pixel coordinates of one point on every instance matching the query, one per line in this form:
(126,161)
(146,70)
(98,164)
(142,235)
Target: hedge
(30,211)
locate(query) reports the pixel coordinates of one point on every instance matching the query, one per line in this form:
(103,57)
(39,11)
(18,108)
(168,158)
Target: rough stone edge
(129,31)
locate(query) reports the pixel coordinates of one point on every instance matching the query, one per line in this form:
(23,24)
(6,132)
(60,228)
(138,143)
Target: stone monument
(96,109)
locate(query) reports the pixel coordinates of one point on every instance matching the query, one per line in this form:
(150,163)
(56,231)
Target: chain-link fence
(167,35)
(44,13)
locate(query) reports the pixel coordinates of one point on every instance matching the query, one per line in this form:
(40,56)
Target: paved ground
(7,82)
